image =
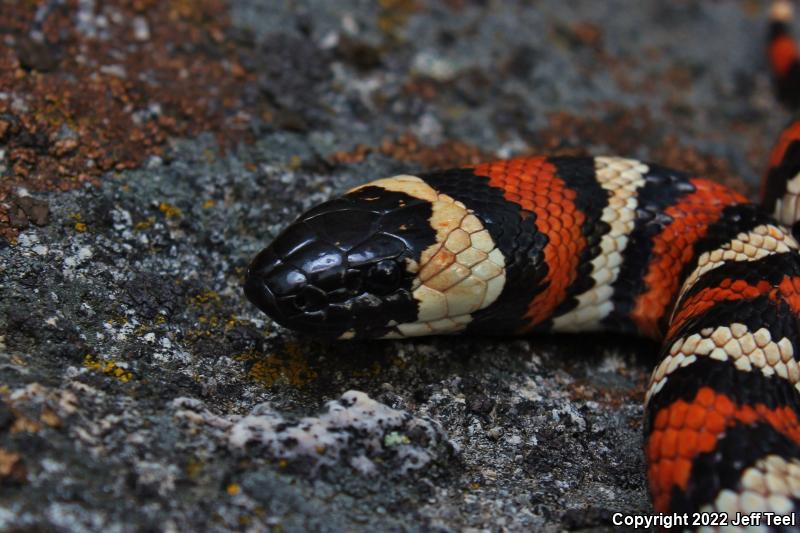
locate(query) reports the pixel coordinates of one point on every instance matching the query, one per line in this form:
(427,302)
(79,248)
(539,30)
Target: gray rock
(134,373)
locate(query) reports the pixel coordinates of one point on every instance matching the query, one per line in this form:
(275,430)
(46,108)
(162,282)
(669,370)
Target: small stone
(12,468)
(32,210)
(37,55)
(64,146)
(495,433)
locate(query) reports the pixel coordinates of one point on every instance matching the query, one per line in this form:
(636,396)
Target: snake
(578,244)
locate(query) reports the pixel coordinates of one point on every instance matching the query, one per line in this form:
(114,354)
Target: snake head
(344,268)
(380,261)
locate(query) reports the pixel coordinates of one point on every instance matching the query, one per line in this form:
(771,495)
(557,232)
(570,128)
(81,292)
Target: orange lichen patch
(626,130)
(393,15)
(683,430)
(194,467)
(212,322)
(611,397)
(408,148)
(12,467)
(622,135)
(672,153)
(291,367)
(206,297)
(50,418)
(674,247)
(170,210)
(25,425)
(533,184)
(109,368)
(83,101)
(782,53)
(587,34)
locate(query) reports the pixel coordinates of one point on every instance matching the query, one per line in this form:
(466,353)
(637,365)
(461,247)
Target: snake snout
(289,280)
(257,285)
(302,279)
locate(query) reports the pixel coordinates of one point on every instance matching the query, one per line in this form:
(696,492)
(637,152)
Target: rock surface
(149,149)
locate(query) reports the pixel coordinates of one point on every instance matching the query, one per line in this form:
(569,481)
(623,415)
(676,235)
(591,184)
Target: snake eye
(384,277)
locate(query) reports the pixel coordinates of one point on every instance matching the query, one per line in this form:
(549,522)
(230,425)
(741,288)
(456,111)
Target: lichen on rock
(353,429)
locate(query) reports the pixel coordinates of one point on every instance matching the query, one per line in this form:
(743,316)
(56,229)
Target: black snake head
(342,268)
(380,261)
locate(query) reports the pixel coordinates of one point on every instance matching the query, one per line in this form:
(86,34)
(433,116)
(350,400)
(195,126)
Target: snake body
(578,244)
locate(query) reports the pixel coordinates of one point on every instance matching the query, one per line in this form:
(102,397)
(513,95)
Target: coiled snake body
(580,244)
